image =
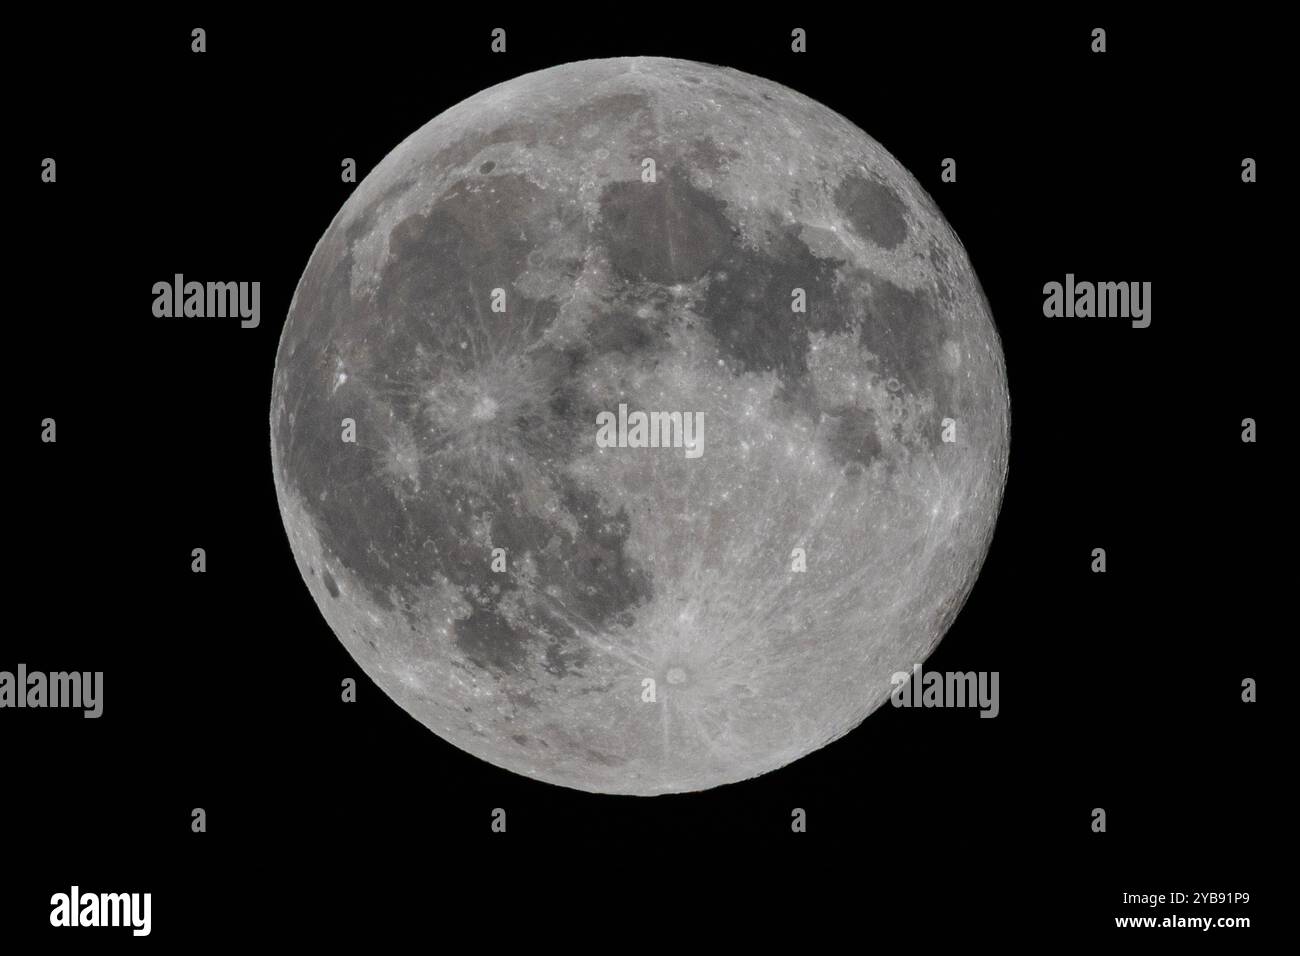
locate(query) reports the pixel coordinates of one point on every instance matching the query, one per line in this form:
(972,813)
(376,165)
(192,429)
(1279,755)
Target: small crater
(330,585)
(487,167)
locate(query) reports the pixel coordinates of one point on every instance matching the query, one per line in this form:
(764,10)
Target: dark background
(1119,690)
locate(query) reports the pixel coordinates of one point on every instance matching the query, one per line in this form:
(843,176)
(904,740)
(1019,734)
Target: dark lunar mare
(395,545)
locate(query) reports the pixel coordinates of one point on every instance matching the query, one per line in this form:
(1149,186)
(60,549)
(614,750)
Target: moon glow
(639,232)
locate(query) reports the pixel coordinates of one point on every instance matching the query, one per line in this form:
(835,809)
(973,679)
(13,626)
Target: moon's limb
(476,428)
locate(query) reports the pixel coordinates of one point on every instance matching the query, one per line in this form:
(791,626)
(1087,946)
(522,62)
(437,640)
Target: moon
(669,237)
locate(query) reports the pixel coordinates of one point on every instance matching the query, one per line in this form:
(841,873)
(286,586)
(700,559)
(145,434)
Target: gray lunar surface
(476,429)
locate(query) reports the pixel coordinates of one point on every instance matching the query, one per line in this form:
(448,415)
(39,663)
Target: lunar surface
(641,611)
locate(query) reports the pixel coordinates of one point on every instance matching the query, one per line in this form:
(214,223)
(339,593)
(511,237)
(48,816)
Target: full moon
(635,421)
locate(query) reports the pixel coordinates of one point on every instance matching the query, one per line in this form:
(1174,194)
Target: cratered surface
(475,421)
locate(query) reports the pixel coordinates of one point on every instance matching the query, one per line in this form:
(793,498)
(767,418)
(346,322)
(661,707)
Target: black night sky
(1120,690)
